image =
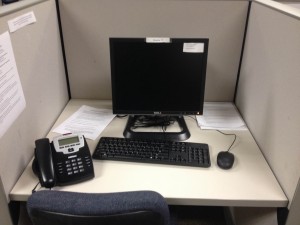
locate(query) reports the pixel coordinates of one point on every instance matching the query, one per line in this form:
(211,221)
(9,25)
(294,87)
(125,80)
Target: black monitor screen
(158,77)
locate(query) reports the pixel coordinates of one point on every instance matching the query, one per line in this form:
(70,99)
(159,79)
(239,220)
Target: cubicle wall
(4,212)
(87,28)
(268,91)
(267,96)
(39,60)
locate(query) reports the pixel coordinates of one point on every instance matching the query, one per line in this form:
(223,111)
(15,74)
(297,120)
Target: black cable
(121,116)
(154,121)
(221,133)
(230,135)
(34,189)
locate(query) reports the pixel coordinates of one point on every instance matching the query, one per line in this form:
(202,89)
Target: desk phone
(66,160)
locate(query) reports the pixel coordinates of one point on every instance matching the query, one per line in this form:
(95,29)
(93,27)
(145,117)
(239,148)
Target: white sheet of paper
(193,47)
(12,100)
(158,40)
(220,115)
(87,120)
(21,21)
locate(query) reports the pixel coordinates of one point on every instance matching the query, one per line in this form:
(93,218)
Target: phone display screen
(68,141)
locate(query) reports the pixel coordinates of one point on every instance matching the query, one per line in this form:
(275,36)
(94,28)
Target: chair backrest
(122,208)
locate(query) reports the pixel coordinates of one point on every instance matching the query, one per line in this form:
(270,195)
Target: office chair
(121,208)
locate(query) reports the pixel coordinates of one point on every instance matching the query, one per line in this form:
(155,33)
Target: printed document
(88,121)
(12,100)
(220,116)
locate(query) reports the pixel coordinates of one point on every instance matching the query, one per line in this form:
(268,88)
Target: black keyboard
(153,151)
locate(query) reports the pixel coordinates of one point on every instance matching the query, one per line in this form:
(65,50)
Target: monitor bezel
(119,111)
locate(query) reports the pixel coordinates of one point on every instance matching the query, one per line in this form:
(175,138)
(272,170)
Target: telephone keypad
(74,166)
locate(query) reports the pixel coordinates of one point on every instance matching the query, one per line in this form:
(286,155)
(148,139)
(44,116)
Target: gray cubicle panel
(87,26)
(268,91)
(294,216)
(38,55)
(4,212)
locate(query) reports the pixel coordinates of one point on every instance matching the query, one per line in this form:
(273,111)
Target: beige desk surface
(249,183)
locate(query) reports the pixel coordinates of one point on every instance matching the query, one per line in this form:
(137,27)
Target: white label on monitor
(157,40)
(193,47)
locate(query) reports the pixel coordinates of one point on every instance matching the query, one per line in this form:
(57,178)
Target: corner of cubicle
(268,92)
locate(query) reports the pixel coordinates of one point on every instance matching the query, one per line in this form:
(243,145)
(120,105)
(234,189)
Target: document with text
(12,100)
(87,120)
(221,116)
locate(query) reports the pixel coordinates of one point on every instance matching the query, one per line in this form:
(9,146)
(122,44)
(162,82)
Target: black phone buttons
(74,166)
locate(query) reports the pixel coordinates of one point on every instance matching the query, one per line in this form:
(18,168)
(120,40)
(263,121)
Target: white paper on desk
(220,115)
(12,100)
(87,120)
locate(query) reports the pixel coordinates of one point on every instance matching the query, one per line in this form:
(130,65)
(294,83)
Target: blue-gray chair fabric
(121,208)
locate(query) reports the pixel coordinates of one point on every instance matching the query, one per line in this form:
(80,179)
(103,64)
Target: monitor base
(182,135)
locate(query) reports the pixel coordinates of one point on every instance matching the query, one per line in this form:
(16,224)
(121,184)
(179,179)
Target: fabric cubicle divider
(38,55)
(87,27)
(268,91)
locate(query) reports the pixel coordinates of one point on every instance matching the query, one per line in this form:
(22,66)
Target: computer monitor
(158,76)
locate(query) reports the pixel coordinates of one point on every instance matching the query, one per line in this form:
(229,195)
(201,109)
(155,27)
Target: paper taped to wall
(12,100)
(21,21)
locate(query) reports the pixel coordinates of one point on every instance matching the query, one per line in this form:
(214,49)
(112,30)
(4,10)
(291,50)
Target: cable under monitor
(156,120)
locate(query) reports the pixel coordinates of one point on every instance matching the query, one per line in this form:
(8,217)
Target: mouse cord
(230,135)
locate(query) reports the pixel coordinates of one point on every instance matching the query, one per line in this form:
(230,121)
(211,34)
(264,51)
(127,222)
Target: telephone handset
(66,160)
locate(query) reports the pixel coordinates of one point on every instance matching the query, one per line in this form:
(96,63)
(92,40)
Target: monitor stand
(182,135)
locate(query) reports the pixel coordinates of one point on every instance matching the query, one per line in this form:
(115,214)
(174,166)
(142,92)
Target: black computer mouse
(225,160)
